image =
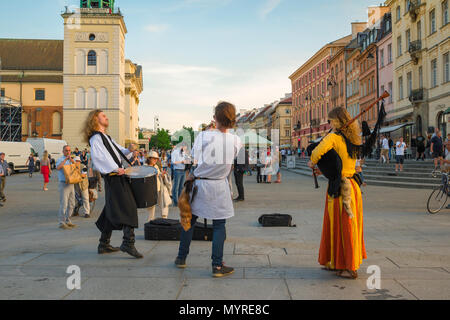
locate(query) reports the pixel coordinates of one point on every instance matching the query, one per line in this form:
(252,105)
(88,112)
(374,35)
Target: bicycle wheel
(437,200)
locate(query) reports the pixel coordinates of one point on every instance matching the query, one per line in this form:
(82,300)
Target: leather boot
(104,245)
(128,243)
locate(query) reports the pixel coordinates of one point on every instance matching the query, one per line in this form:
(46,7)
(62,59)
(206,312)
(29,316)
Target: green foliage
(161,140)
(141,135)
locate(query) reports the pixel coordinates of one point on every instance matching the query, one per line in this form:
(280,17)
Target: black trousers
(239,179)
(258,175)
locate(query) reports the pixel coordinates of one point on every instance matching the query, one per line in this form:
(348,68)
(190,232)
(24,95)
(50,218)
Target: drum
(143,185)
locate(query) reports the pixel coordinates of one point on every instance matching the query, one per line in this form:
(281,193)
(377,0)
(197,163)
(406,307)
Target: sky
(195,53)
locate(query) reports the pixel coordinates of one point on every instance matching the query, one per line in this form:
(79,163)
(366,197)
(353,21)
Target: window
(342,88)
(399,46)
(92,58)
(287,132)
(432,21)
(419,30)
(39,95)
(444,12)
(399,14)
(390,53)
(391,99)
(408,38)
(434,73)
(2,92)
(368,87)
(382,88)
(323,67)
(400,88)
(382,58)
(409,83)
(446,68)
(420,77)
(314,73)
(56,123)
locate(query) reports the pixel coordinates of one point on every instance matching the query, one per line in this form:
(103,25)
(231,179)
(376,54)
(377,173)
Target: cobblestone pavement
(411,248)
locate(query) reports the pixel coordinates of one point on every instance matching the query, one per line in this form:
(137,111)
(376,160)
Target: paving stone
(428,289)
(243,249)
(234,289)
(33,288)
(206,273)
(125,288)
(18,259)
(345,289)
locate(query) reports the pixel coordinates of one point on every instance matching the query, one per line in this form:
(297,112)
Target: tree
(141,135)
(161,140)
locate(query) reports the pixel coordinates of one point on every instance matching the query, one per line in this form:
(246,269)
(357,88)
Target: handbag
(72,173)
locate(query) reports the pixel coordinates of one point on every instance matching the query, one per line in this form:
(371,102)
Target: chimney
(358,27)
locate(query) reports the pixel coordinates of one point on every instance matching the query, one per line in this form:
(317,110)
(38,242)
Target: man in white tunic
(120,211)
(214,152)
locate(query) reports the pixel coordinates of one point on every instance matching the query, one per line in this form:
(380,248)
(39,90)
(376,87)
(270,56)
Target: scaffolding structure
(10,120)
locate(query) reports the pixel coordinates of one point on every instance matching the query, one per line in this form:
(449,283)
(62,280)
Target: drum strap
(108,145)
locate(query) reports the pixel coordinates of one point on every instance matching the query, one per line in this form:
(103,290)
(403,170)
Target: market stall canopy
(395,128)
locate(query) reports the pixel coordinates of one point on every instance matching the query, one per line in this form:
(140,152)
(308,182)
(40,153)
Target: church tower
(94,69)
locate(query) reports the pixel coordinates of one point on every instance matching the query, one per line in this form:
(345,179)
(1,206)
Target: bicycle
(439,196)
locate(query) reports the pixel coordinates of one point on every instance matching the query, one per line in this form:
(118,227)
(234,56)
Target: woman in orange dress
(342,245)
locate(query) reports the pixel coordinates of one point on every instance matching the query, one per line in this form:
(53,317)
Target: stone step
(397,184)
(389,173)
(401,178)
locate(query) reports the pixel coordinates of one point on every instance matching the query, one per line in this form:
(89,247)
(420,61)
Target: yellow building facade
(421,42)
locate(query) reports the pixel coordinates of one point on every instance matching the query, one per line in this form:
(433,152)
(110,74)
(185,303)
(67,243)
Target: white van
(16,154)
(52,146)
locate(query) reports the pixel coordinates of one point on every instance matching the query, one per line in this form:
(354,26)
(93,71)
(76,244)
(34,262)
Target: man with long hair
(120,211)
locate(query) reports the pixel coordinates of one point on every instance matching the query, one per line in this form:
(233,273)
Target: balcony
(315,123)
(417,96)
(298,126)
(415,49)
(414,9)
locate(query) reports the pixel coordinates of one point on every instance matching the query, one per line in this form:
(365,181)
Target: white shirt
(400,148)
(177,157)
(385,144)
(214,152)
(102,161)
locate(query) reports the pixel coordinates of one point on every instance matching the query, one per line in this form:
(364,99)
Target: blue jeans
(219,236)
(178,182)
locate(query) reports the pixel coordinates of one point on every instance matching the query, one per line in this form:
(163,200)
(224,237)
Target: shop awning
(447,111)
(395,128)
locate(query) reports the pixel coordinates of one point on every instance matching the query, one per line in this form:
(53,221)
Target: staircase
(415,175)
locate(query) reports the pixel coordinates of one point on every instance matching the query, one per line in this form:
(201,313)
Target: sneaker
(71,225)
(64,226)
(180,263)
(87,216)
(222,271)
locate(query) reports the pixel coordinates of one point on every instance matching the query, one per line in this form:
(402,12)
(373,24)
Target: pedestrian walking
(66,192)
(420,143)
(5,173)
(400,147)
(384,150)
(240,167)
(437,149)
(268,170)
(179,175)
(46,170)
(82,192)
(276,165)
(163,186)
(212,198)
(30,163)
(259,166)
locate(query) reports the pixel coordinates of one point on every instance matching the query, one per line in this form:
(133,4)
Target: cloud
(186,94)
(268,7)
(156,28)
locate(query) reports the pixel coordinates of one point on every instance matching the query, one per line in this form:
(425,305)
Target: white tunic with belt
(214,152)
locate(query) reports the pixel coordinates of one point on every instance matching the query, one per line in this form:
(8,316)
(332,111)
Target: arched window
(56,123)
(24,123)
(80,98)
(103,98)
(92,58)
(92,98)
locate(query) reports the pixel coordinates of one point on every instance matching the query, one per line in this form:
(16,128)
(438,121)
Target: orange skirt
(342,245)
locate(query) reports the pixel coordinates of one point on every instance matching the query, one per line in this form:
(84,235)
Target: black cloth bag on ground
(170,230)
(276,220)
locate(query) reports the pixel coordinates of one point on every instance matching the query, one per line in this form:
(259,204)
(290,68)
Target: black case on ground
(170,230)
(276,220)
